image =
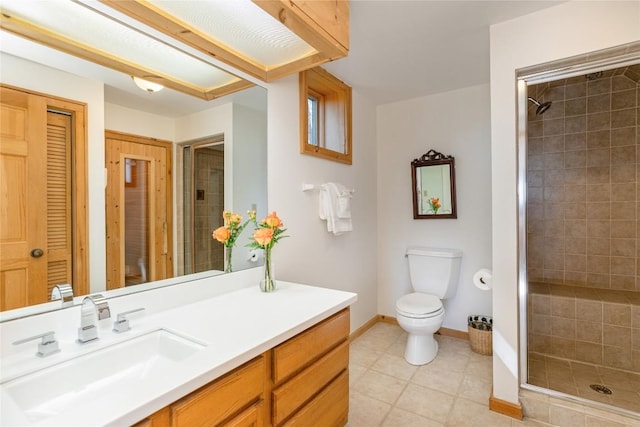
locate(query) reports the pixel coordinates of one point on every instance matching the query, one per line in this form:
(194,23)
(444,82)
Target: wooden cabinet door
(23,216)
(138,210)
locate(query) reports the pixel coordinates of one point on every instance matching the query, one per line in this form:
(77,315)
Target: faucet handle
(122,323)
(46,347)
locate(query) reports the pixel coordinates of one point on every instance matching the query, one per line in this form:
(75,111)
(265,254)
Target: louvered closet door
(23,209)
(59,240)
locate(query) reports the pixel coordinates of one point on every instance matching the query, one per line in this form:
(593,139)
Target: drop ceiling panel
(243,27)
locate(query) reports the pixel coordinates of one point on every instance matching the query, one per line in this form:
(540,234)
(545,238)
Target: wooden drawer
(162,418)
(222,398)
(299,351)
(329,408)
(250,417)
(301,388)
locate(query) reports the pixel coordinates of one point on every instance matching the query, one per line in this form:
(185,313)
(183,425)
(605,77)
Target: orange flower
(263,236)
(272,220)
(231,218)
(436,202)
(221,234)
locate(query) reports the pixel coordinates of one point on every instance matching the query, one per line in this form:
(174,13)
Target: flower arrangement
(228,233)
(268,232)
(434,202)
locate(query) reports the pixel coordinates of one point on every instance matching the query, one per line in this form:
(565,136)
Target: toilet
(434,276)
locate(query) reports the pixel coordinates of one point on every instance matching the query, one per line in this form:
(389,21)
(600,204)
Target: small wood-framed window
(325,116)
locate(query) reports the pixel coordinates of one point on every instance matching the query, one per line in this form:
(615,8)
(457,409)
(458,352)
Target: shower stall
(579,233)
(203,201)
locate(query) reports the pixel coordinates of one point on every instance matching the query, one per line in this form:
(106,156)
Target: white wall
(249,173)
(569,29)
(455,123)
(311,255)
(29,75)
(136,122)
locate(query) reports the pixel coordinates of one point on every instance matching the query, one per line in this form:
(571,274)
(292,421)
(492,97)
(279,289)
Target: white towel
(335,207)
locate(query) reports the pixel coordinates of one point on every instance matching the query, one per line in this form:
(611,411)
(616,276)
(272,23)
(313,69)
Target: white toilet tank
(434,270)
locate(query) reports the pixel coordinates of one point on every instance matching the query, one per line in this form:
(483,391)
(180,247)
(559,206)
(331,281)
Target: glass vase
(268,283)
(229,256)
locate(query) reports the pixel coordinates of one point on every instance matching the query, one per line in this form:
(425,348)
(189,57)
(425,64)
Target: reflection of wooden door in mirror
(36,158)
(138,210)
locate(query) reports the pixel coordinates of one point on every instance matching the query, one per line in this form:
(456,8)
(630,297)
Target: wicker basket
(480,334)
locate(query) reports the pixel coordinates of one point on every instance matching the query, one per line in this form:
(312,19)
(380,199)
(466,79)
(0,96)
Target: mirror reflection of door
(203,168)
(41,174)
(138,210)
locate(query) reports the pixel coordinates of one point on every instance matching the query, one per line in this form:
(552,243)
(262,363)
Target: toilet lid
(419,305)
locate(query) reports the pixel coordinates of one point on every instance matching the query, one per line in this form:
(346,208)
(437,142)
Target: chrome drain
(601,389)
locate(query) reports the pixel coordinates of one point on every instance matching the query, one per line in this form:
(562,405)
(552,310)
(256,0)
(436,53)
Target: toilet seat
(419,305)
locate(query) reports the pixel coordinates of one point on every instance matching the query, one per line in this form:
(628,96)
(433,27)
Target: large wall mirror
(234,126)
(433,186)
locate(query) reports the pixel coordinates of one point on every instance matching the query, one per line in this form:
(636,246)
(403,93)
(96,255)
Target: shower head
(541,107)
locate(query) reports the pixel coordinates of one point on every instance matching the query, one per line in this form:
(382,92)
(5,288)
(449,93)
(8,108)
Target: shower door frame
(565,68)
(215,139)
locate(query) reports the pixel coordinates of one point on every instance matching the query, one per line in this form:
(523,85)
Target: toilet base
(421,349)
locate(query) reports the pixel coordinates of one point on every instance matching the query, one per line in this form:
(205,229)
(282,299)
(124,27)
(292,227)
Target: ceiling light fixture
(147,85)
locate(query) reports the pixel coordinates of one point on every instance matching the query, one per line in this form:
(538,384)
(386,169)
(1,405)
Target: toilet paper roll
(254,256)
(483,279)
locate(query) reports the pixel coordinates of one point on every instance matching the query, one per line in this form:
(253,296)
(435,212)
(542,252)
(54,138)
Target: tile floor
(574,378)
(452,390)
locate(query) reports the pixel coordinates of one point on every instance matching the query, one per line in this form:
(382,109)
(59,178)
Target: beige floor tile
(380,386)
(476,389)
(361,355)
(424,401)
(452,361)
(398,347)
(379,342)
(395,366)
(400,418)
(432,377)
(355,373)
(566,417)
(466,413)
(527,422)
(481,368)
(454,344)
(365,411)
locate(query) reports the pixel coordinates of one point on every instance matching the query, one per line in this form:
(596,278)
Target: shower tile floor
(575,378)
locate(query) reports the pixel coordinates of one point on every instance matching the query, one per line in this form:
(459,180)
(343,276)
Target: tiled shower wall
(582,192)
(207,214)
(582,219)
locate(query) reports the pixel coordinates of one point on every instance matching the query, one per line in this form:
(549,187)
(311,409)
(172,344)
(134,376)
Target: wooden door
(43,197)
(23,219)
(138,210)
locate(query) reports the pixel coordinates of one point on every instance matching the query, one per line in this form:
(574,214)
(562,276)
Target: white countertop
(235,326)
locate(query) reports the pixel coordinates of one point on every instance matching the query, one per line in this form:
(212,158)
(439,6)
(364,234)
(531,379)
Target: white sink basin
(96,376)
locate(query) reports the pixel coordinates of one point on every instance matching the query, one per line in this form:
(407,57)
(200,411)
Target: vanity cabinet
(235,399)
(301,382)
(310,376)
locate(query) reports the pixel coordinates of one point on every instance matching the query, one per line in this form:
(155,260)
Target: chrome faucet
(92,306)
(63,292)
